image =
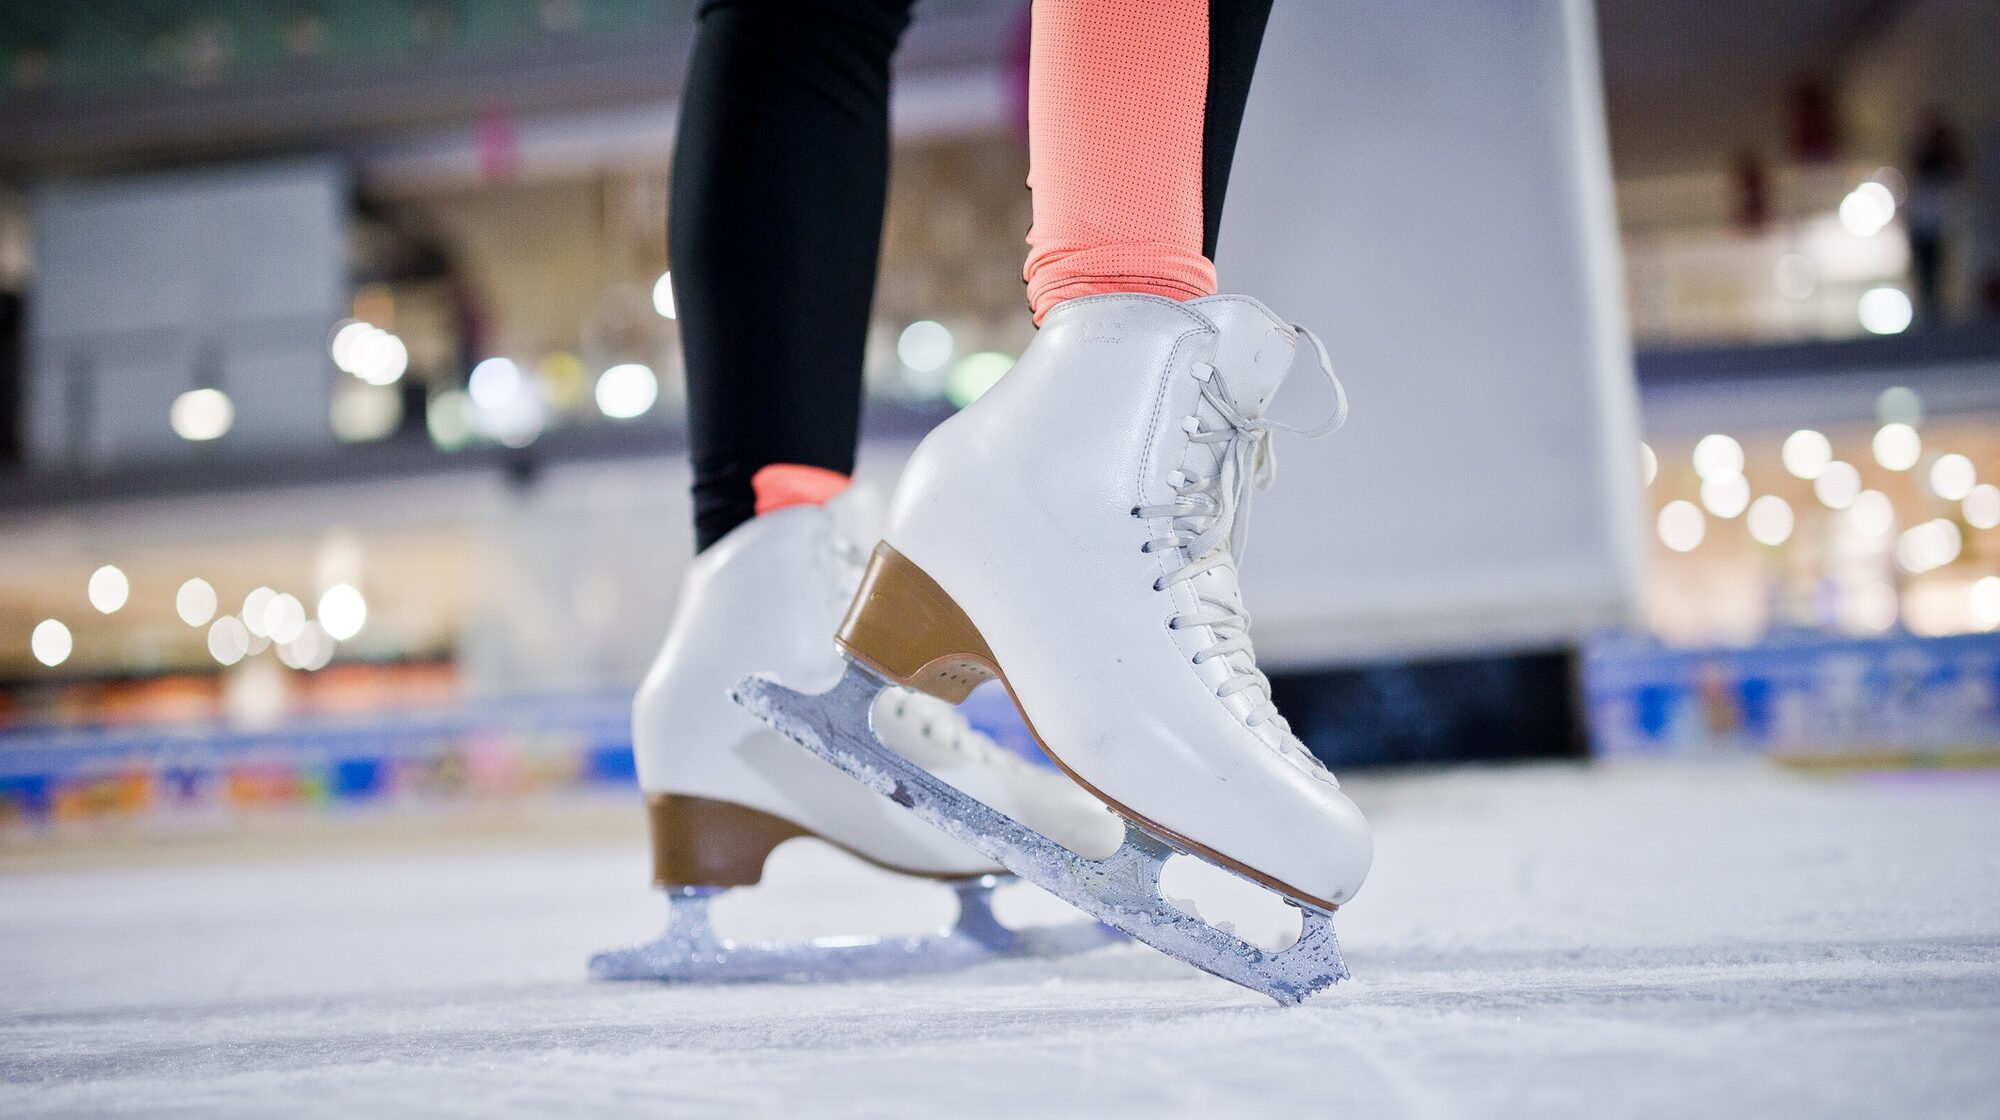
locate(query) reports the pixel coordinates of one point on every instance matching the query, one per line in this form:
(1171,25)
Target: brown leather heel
(699,842)
(904,626)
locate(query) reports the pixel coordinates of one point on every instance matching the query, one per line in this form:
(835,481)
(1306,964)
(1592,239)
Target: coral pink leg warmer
(1117,90)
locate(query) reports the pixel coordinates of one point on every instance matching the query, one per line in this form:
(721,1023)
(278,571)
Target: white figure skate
(723,791)
(1075,532)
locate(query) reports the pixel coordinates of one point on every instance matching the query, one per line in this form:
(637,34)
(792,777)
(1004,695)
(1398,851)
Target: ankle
(781,485)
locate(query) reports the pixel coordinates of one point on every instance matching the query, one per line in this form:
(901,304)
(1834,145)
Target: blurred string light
(975,374)
(1806,453)
(1982,600)
(495,383)
(1934,608)
(1681,525)
(503,410)
(562,379)
(1884,311)
(310,650)
(1838,485)
(1872,514)
(1877,607)
(346,342)
(1899,404)
(663,295)
(1649,463)
(290,653)
(1953,476)
(343,611)
(254,606)
(284,618)
(200,415)
(448,418)
(108,589)
(1770,520)
(369,352)
(925,346)
(228,640)
(364,413)
(628,390)
(254,696)
(1927,547)
(515,426)
(1982,506)
(195,602)
(1897,446)
(1726,495)
(1718,456)
(50,642)
(1868,209)
(1797,277)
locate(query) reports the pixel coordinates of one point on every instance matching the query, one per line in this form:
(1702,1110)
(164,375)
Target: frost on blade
(1122,889)
(689,952)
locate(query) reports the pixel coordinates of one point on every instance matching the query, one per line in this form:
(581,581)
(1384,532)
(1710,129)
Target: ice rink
(1550,942)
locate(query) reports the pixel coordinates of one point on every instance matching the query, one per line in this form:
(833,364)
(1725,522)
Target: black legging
(779,181)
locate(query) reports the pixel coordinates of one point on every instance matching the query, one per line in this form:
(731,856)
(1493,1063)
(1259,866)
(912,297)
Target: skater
(1073,532)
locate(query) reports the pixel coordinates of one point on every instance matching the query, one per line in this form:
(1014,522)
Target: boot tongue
(1253,352)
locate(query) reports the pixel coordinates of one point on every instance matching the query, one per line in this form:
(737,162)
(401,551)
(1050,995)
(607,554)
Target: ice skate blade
(690,952)
(1122,889)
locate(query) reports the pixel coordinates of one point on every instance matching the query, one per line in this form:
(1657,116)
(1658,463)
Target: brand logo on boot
(1100,330)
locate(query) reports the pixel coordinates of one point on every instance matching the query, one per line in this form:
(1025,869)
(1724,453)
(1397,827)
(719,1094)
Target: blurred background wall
(340,385)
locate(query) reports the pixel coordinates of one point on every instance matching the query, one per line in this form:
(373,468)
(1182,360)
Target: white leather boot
(723,790)
(1075,531)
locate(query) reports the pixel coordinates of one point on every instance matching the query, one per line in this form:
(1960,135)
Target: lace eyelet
(1157,586)
(1135,511)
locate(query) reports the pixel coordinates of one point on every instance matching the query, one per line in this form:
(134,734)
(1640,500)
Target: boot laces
(1208,523)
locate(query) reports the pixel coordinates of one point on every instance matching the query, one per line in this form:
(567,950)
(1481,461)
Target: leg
(1927,267)
(1134,107)
(779,181)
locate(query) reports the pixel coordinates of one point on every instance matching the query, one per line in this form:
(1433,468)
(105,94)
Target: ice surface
(1546,942)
